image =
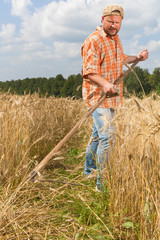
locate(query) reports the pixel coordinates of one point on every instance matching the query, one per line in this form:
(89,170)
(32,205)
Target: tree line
(72,86)
(57,87)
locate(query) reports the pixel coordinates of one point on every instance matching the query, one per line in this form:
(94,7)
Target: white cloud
(36,56)
(33,52)
(154,46)
(67,50)
(153,29)
(6,48)
(7,32)
(56,20)
(32,46)
(20,7)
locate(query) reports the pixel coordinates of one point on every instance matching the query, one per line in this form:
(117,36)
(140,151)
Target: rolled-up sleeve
(124,57)
(91,58)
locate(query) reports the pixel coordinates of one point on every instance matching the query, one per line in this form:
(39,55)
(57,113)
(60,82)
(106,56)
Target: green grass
(78,218)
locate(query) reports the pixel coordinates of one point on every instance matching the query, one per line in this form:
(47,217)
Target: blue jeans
(98,149)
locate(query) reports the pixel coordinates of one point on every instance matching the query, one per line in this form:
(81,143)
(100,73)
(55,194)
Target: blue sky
(42,38)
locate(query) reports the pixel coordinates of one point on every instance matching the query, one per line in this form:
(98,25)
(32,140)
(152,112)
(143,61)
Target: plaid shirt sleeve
(91,58)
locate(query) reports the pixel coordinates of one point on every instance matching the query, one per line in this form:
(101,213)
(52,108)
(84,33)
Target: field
(62,203)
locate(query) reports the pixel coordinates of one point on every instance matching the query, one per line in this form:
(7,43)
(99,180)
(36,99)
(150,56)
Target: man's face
(111,24)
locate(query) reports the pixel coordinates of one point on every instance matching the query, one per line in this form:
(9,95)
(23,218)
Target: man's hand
(109,89)
(144,54)
(132,59)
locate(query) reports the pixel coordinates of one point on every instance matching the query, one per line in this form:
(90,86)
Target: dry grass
(133,178)
(32,126)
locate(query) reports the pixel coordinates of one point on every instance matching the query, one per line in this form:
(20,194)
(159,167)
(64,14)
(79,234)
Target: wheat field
(135,170)
(31,126)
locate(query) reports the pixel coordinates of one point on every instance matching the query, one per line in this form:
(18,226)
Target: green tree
(77,89)
(132,84)
(67,89)
(154,80)
(58,83)
(72,86)
(50,86)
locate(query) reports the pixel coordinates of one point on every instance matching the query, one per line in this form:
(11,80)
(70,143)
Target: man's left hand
(144,54)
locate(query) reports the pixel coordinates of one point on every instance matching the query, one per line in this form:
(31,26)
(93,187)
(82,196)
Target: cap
(113,9)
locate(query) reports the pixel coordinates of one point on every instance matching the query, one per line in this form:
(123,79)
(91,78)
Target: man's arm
(132,59)
(107,87)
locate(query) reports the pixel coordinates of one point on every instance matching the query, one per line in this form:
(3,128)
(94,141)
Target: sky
(43,38)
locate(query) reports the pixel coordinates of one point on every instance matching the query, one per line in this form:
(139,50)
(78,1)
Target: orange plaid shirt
(102,55)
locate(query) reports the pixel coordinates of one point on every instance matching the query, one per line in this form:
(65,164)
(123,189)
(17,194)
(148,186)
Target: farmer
(103,60)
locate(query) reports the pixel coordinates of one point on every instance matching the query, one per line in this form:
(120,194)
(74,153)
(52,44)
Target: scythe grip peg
(33,175)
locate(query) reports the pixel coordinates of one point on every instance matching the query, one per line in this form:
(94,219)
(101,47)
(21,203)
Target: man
(103,60)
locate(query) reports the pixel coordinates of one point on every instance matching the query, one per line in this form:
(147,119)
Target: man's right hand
(107,88)
(110,89)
